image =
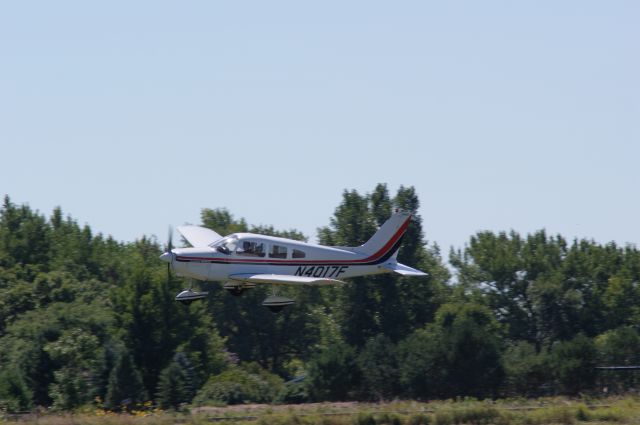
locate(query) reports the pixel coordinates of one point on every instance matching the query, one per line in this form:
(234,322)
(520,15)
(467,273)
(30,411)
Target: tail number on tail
(321,271)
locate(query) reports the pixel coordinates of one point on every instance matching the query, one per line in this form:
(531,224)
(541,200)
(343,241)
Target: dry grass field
(551,411)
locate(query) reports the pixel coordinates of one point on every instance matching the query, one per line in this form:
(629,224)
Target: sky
(133,116)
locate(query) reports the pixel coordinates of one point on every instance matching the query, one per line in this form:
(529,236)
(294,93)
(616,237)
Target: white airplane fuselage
(246,259)
(319,262)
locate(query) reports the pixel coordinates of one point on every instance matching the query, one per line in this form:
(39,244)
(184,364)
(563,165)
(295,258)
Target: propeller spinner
(188,295)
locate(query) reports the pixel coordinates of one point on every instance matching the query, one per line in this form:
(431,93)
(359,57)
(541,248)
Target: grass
(546,411)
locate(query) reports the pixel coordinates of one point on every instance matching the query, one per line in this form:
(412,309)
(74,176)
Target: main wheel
(276,303)
(236,291)
(276,308)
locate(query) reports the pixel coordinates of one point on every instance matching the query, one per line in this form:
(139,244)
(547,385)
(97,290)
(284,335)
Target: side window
(298,254)
(278,251)
(251,249)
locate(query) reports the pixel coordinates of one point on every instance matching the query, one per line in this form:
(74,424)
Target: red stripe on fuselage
(381,252)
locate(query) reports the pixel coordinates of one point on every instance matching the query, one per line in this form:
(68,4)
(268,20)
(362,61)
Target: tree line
(88,320)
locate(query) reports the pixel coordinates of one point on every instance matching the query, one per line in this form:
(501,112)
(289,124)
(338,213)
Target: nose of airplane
(166,257)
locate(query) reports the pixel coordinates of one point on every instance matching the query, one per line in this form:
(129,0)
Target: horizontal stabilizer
(198,236)
(279,279)
(404,270)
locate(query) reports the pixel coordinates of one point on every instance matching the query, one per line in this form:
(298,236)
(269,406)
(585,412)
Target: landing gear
(237,288)
(188,296)
(276,303)
(237,291)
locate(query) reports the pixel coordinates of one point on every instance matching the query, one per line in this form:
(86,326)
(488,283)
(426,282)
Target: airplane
(243,260)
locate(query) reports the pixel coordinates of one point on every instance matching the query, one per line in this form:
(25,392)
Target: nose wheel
(188,296)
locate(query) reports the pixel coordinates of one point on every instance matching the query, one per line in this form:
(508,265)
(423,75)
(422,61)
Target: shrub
(419,419)
(238,385)
(293,392)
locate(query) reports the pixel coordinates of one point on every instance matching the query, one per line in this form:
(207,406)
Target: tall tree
(352,225)
(76,356)
(176,385)
(126,389)
(386,303)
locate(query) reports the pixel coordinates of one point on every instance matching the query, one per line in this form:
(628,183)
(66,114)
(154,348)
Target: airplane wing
(279,279)
(198,236)
(404,270)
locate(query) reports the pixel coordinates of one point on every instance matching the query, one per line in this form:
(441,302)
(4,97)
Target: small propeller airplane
(243,260)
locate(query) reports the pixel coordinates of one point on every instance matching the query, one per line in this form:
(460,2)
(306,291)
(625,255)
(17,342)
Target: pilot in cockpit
(247,248)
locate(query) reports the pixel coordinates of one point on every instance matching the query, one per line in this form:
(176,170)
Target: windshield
(226,245)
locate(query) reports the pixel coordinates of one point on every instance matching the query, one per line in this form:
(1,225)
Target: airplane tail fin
(386,241)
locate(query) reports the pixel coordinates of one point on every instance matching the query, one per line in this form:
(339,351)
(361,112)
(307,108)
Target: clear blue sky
(503,115)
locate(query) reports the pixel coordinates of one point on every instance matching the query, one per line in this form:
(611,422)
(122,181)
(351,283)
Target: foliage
(84,317)
(459,354)
(76,355)
(248,384)
(619,347)
(15,395)
(294,392)
(526,371)
(333,373)
(176,385)
(378,366)
(573,363)
(126,390)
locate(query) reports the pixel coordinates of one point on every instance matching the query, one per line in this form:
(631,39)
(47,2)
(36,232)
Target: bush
(15,396)
(378,366)
(552,415)
(574,362)
(419,419)
(333,373)
(238,385)
(293,392)
(526,370)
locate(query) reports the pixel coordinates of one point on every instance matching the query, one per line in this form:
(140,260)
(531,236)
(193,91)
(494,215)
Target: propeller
(188,295)
(168,255)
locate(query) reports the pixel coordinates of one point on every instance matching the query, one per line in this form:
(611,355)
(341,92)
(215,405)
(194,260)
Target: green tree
(386,303)
(247,383)
(126,389)
(472,340)
(76,355)
(222,221)
(618,347)
(423,365)
(24,236)
(378,366)
(621,299)
(155,326)
(526,371)
(352,225)
(333,374)
(420,297)
(573,363)
(15,395)
(175,386)
(458,355)
(23,345)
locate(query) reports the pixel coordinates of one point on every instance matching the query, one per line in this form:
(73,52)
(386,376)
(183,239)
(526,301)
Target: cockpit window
(298,254)
(251,249)
(278,251)
(226,245)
